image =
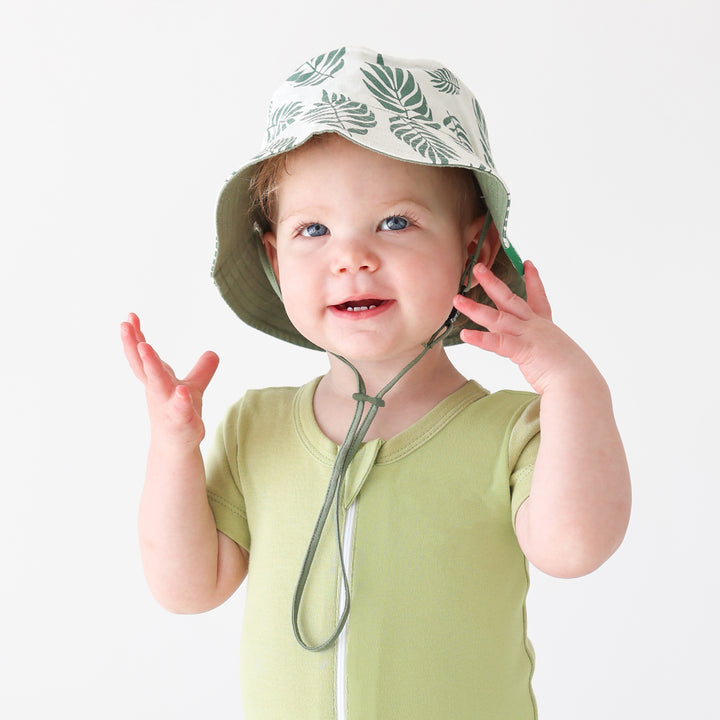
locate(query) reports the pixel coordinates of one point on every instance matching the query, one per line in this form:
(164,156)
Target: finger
(160,377)
(500,293)
(182,403)
(488,317)
(134,321)
(203,370)
(504,345)
(536,295)
(477,312)
(130,347)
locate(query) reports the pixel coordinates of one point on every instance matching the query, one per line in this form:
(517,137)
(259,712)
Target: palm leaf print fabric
(324,95)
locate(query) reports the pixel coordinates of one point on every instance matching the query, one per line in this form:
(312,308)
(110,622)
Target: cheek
(444,273)
(287,273)
(291,289)
(297,293)
(434,285)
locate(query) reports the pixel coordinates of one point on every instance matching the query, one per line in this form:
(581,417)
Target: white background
(120,122)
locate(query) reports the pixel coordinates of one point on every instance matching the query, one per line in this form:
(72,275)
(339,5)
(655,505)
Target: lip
(379,308)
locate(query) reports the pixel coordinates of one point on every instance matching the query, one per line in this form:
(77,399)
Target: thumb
(203,370)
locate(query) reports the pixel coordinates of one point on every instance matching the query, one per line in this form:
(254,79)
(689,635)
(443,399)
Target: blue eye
(314,230)
(394,222)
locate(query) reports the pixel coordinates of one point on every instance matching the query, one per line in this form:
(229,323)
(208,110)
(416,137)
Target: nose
(354,254)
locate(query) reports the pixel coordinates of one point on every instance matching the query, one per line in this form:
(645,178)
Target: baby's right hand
(175,406)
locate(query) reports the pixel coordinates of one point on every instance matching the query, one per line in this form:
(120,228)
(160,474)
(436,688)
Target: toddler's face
(368,250)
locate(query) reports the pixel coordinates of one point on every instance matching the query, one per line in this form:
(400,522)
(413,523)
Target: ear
(490,246)
(270,243)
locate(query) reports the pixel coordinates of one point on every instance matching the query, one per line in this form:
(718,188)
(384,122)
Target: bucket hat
(413,110)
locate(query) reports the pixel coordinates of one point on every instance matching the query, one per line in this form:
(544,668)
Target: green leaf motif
(280,145)
(319,69)
(396,90)
(483,132)
(419,136)
(454,125)
(412,122)
(282,117)
(444,81)
(338,111)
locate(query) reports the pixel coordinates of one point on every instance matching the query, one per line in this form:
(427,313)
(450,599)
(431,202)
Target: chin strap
(351,444)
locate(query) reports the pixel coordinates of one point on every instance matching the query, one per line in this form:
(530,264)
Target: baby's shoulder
(505,413)
(270,395)
(503,400)
(263,401)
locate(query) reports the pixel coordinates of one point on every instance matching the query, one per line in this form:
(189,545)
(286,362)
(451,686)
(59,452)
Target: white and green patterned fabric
(413,110)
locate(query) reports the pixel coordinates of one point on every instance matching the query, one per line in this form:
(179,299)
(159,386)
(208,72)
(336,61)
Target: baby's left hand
(524,332)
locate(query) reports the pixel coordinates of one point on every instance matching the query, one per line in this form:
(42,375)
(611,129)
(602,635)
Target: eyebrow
(320,209)
(410,201)
(308,210)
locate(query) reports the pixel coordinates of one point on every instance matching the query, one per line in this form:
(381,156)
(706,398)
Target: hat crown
(414,110)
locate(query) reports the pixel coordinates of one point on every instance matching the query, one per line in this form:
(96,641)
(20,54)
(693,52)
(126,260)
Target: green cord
(351,444)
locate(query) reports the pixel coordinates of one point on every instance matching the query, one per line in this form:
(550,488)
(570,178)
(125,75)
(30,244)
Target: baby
(390,506)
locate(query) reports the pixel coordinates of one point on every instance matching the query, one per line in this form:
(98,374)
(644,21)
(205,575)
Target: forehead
(332,161)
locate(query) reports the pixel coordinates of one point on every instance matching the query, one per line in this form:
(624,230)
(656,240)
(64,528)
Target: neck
(428,382)
(433,368)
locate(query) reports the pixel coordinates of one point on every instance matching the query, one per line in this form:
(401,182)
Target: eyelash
(410,217)
(303,226)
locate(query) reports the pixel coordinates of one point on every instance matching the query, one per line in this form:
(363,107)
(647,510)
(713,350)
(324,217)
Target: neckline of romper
(381,451)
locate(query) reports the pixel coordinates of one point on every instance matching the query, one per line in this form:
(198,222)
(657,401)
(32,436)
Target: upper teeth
(356,308)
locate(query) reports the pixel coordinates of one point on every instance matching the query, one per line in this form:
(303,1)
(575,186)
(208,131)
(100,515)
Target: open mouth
(360,305)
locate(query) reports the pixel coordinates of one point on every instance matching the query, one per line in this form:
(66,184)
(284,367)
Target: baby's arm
(190,566)
(579,504)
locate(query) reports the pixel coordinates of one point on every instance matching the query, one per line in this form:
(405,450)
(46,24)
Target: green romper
(438,582)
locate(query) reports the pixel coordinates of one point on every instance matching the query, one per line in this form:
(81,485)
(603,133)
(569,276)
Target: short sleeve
(224,488)
(522,451)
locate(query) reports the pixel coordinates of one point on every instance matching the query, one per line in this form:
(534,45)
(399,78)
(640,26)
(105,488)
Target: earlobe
(490,246)
(270,243)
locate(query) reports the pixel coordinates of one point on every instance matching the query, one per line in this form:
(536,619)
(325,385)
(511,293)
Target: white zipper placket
(341,658)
